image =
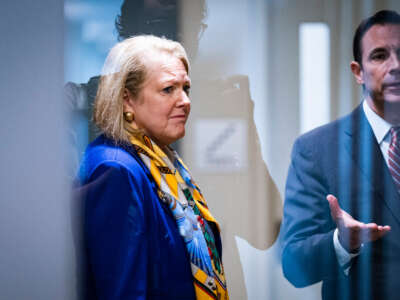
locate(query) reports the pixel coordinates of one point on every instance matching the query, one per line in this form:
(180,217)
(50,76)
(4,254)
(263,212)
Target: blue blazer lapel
(362,145)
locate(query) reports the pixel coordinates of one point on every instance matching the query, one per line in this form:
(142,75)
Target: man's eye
(168,89)
(379,56)
(187,89)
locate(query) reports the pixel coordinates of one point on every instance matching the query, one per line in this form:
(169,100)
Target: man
(342,206)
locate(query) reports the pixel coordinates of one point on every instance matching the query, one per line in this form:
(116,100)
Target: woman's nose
(184,98)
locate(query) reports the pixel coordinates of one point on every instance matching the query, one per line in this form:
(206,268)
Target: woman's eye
(187,89)
(168,89)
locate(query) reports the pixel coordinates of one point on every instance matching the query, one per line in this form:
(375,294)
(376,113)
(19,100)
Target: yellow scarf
(177,189)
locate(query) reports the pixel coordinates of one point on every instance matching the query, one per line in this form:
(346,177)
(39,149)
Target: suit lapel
(362,145)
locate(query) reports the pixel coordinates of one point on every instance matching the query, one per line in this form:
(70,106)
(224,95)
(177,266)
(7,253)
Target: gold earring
(128,116)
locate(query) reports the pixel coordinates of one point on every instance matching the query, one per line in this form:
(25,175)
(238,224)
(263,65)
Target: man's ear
(357,71)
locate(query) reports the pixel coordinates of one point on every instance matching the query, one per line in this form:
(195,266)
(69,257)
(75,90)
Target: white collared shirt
(381,129)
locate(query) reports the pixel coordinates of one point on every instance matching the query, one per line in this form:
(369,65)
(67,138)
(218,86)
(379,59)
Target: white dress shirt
(381,129)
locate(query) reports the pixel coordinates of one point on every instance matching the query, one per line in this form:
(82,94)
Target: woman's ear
(128,100)
(129,111)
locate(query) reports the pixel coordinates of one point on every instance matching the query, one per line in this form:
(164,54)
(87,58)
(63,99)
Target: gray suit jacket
(341,158)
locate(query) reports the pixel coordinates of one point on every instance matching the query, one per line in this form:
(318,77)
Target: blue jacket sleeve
(308,252)
(115,233)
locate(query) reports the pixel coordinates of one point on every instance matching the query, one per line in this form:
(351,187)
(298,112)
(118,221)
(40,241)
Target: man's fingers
(378,228)
(336,211)
(372,232)
(371,227)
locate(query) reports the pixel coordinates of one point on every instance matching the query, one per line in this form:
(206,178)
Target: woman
(148,231)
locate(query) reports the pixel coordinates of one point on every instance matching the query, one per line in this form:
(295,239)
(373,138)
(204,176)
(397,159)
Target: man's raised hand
(353,233)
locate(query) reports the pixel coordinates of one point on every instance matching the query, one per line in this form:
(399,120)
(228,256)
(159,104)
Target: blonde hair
(126,66)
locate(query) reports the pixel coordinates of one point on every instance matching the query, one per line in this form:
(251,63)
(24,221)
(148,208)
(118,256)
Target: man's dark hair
(380,18)
(135,18)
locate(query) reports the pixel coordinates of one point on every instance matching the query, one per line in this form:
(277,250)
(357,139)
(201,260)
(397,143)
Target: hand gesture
(353,233)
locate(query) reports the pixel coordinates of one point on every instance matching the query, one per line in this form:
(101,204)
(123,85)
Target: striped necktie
(394,156)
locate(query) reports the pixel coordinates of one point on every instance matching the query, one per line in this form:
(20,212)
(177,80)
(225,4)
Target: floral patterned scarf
(177,189)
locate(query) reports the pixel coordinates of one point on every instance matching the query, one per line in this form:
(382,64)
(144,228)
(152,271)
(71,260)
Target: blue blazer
(342,158)
(132,244)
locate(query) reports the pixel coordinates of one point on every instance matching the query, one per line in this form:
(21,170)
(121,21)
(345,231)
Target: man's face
(380,70)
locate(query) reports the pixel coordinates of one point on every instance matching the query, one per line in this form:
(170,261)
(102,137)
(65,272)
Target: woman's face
(162,106)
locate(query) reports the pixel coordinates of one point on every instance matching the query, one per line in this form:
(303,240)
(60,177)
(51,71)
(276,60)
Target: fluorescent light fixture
(314,56)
